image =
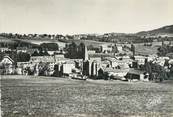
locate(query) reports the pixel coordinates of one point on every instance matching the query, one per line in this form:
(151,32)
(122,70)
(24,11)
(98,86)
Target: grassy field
(146,50)
(29,96)
(6,40)
(31,41)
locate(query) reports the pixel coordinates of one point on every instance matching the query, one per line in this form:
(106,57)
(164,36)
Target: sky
(84,16)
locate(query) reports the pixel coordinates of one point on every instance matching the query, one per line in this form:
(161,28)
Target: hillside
(163,31)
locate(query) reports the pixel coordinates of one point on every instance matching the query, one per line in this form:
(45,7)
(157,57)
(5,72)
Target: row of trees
(50,46)
(31,36)
(13,44)
(44,48)
(40,53)
(17,43)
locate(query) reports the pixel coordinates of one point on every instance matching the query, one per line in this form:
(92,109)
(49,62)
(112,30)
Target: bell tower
(86,54)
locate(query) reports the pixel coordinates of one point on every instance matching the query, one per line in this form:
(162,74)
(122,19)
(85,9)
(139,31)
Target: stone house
(7,65)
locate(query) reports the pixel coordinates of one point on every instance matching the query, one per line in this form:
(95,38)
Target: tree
(50,46)
(115,49)
(57,70)
(41,68)
(23,57)
(133,49)
(81,51)
(171,71)
(106,76)
(162,51)
(90,47)
(41,52)
(45,53)
(100,73)
(72,51)
(35,53)
(160,71)
(148,68)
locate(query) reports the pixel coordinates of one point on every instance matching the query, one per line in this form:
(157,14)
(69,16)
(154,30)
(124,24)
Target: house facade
(7,65)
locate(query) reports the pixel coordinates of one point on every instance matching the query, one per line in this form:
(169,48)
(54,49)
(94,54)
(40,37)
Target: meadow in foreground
(29,96)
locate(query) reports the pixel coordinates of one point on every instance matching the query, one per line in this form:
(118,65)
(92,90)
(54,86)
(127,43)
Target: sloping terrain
(146,50)
(166,30)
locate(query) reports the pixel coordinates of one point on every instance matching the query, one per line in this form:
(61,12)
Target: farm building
(21,49)
(140,59)
(7,60)
(7,65)
(37,59)
(67,67)
(106,48)
(116,72)
(120,48)
(105,63)
(136,74)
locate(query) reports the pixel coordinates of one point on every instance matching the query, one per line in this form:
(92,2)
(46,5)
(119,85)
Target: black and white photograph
(86,58)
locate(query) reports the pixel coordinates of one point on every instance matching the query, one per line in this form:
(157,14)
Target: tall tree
(72,51)
(133,49)
(115,49)
(81,51)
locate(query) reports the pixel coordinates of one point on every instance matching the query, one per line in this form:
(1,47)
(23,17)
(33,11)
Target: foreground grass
(43,97)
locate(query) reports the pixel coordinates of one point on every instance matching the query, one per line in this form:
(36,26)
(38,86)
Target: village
(86,58)
(82,62)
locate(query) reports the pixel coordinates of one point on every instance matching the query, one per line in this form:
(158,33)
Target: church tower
(86,54)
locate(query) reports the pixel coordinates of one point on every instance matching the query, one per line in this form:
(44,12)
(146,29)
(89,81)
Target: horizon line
(86,33)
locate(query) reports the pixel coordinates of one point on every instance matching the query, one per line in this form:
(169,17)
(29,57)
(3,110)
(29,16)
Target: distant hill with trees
(166,31)
(160,34)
